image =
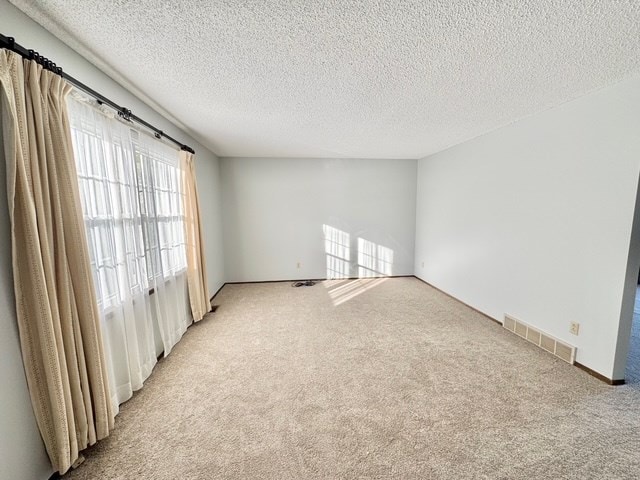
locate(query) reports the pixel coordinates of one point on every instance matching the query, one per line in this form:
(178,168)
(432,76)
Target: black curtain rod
(10,44)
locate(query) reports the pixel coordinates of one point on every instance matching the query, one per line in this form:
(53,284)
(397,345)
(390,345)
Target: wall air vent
(552,345)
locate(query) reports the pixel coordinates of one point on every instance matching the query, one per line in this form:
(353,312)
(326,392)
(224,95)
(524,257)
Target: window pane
(130,187)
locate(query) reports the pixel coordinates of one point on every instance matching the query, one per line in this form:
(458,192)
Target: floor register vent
(542,340)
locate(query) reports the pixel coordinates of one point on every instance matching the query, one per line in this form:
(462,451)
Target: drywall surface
(22,454)
(209,186)
(535,219)
(338,217)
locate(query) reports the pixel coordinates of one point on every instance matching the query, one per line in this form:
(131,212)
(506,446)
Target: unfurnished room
(377,239)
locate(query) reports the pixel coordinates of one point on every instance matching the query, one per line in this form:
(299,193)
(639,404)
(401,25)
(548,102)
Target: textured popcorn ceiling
(386,78)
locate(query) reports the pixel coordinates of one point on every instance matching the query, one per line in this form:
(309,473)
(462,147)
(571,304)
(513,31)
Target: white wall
(209,184)
(22,454)
(275,209)
(534,219)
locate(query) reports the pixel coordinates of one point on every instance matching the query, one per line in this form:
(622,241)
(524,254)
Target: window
(130,184)
(162,202)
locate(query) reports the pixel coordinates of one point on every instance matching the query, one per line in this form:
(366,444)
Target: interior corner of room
(535,220)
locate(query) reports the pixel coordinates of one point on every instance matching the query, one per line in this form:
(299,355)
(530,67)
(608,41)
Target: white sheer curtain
(161,196)
(130,190)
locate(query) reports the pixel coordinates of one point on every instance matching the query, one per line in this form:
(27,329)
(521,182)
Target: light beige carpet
(365,379)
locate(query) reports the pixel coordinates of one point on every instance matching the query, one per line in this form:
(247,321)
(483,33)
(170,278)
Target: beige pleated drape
(196,265)
(56,306)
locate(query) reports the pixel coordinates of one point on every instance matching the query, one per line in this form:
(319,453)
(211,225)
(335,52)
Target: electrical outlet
(298,265)
(574,328)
